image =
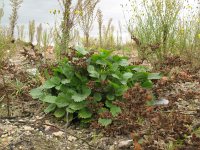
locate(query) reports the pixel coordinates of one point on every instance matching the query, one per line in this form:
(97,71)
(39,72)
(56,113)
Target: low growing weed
(86,84)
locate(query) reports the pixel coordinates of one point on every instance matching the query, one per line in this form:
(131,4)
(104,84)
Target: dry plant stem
(1,99)
(15,4)
(8,100)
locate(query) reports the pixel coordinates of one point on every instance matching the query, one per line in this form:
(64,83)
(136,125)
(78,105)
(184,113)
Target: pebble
(125,144)
(71,138)
(58,134)
(112,147)
(28,128)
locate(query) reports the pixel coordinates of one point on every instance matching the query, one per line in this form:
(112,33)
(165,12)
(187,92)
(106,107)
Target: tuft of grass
(161,28)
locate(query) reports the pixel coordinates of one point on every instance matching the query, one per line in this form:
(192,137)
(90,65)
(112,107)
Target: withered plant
(15,4)
(86,17)
(20,32)
(100,25)
(31,30)
(68,21)
(39,35)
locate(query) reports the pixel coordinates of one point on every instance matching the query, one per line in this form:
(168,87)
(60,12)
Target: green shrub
(87,84)
(161,28)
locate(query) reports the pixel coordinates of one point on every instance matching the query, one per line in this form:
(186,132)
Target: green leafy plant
(86,85)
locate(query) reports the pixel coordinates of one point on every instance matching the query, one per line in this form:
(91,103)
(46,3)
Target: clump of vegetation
(15,4)
(69,18)
(86,85)
(86,17)
(100,25)
(161,29)
(3,39)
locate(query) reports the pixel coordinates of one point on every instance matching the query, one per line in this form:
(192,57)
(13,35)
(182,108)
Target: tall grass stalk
(31,30)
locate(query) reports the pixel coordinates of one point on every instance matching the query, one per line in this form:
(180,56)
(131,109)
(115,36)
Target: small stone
(71,138)
(125,144)
(41,133)
(32,71)
(58,134)
(28,133)
(28,128)
(4,135)
(112,147)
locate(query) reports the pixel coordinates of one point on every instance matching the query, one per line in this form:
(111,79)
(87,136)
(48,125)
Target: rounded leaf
(50,108)
(104,122)
(60,112)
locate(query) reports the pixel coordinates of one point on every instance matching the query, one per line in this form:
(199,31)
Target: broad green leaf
(108,104)
(95,57)
(110,97)
(104,122)
(49,99)
(78,97)
(115,76)
(81,77)
(58,87)
(81,50)
(103,77)
(86,121)
(124,82)
(97,97)
(50,108)
(77,105)
(140,68)
(55,80)
(105,53)
(60,112)
(140,76)
(120,91)
(84,113)
(147,84)
(65,81)
(154,76)
(68,71)
(69,110)
(114,85)
(102,110)
(115,67)
(63,100)
(115,110)
(37,93)
(117,58)
(92,71)
(86,91)
(101,62)
(81,97)
(127,75)
(48,84)
(123,62)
